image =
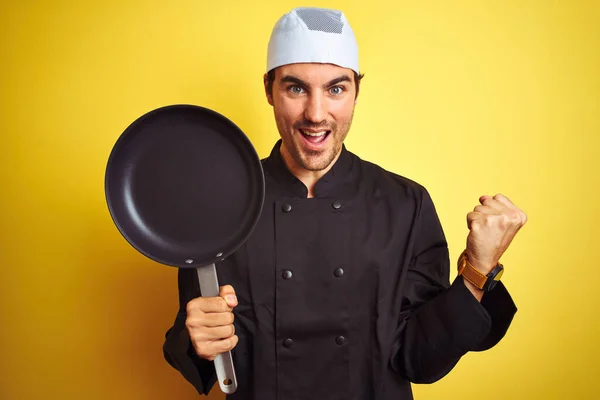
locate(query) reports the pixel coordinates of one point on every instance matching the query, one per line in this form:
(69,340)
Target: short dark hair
(271,79)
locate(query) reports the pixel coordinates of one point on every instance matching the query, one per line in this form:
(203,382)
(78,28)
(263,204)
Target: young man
(342,291)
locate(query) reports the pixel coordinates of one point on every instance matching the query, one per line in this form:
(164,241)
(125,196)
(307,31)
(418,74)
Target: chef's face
(313,106)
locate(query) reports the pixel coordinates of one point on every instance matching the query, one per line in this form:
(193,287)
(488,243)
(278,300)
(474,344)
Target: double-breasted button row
(287,274)
(288,207)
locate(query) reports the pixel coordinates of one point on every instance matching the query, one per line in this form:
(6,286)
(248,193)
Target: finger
(207,304)
(488,210)
(471,217)
(523,217)
(221,346)
(217,319)
(228,293)
(484,198)
(212,333)
(516,211)
(496,205)
(209,350)
(504,200)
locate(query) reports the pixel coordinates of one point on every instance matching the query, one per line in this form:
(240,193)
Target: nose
(315,109)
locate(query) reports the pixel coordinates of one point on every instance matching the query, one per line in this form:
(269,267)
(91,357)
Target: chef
(343,289)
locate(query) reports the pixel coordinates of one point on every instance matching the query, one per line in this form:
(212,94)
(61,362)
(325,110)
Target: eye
(296,89)
(336,90)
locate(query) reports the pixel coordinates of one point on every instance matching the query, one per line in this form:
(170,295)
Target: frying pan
(185,187)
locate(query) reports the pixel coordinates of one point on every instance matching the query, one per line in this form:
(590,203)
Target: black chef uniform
(342,296)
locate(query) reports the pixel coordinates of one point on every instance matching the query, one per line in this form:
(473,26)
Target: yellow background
(466,97)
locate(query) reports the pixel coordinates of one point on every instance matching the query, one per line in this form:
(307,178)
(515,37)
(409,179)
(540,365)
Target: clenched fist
(210,323)
(492,226)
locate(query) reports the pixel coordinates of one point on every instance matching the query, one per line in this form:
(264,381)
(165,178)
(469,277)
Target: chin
(315,163)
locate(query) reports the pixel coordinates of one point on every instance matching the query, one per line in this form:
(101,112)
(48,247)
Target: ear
(267,93)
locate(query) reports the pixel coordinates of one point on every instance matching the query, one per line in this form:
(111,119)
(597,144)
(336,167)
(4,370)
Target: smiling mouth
(314,137)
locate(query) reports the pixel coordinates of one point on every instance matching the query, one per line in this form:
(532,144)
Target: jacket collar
(331,184)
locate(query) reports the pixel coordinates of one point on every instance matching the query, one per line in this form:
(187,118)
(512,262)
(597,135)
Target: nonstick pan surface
(184,185)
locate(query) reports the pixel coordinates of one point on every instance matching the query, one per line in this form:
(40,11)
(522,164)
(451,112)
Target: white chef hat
(313,35)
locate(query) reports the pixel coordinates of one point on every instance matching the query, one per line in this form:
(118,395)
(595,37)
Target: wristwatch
(473,275)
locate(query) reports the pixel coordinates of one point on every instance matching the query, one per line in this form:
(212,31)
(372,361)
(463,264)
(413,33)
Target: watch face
(499,274)
(493,277)
(496,273)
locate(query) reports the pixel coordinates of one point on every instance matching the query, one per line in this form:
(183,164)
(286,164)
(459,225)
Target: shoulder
(388,183)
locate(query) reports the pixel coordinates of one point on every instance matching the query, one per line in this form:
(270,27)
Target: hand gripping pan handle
(209,287)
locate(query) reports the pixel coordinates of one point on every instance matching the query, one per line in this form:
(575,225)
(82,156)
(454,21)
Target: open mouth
(315,137)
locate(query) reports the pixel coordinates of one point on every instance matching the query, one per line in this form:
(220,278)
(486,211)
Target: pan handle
(209,287)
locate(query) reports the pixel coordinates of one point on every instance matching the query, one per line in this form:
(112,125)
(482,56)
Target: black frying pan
(185,187)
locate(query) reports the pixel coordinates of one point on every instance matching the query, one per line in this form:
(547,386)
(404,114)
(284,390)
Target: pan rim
(247,145)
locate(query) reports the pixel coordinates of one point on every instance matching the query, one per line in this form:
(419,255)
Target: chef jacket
(342,296)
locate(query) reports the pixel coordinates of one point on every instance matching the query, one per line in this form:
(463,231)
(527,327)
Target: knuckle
(190,306)
(472,216)
(515,216)
(505,220)
(203,350)
(489,220)
(198,347)
(207,353)
(191,322)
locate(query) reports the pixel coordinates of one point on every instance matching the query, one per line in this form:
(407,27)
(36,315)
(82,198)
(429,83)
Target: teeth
(315,134)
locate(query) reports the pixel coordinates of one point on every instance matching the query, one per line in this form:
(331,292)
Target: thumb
(228,293)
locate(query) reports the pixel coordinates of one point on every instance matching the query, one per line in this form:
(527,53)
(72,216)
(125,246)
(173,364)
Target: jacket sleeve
(439,321)
(178,349)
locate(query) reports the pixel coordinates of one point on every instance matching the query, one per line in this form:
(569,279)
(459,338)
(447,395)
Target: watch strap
(470,273)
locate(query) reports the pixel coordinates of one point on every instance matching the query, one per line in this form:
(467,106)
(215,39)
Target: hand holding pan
(185,187)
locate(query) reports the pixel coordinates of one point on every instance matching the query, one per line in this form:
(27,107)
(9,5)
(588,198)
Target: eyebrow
(298,81)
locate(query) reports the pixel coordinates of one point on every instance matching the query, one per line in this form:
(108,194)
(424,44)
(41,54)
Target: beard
(312,160)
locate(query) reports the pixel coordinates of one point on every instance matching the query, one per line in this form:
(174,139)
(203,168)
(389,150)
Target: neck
(307,177)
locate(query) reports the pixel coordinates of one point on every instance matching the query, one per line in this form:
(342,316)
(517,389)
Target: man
(342,291)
